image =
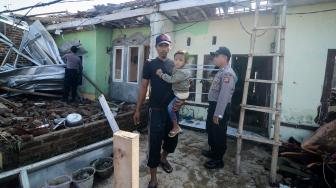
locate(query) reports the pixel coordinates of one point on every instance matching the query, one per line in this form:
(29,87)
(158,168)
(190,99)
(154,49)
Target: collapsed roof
(178,11)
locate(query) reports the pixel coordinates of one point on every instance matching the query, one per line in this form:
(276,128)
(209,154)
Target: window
(133,64)
(208,76)
(146,53)
(188,41)
(214,40)
(192,62)
(118,62)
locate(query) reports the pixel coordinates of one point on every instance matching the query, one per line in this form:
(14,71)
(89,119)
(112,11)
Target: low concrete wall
(55,143)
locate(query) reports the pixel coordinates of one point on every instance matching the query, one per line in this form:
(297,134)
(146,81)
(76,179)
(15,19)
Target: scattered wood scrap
(30,92)
(10,103)
(313,163)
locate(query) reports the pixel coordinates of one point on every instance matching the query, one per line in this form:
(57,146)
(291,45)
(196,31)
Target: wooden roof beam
(183,16)
(128,13)
(204,14)
(105,18)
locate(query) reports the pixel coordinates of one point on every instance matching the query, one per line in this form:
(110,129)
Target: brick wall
(15,35)
(55,143)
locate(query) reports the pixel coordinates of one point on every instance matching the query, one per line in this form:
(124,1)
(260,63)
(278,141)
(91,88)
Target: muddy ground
(189,171)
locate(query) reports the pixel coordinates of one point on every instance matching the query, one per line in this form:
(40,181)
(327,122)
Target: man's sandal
(166,167)
(152,186)
(172,133)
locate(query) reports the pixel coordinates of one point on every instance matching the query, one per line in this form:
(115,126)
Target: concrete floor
(189,171)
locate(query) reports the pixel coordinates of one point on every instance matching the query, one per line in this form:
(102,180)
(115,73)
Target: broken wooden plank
(10,103)
(108,113)
(5,121)
(126,159)
(1,161)
(30,92)
(93,84)
(3,108)
(122,14)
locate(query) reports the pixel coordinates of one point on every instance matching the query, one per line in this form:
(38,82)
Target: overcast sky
(67,6)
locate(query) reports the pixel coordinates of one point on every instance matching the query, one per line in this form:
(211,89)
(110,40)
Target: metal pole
(56,159)
(201,79)
(24,181)
(18,52)
(206,69)
(6,57)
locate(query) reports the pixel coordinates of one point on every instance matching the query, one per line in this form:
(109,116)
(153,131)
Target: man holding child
(169,88)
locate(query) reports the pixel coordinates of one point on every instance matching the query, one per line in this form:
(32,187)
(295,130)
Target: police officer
(219,98)
(72,76)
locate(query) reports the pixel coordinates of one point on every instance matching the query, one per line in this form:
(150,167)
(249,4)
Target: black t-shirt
(161,91)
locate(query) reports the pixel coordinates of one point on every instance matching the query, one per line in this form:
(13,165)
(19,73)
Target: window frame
(140,52)
(115,48)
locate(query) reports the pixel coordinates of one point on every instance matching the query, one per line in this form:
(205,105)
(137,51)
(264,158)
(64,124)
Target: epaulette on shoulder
(227,73)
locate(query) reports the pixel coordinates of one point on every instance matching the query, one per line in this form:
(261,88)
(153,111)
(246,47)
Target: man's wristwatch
(220,117)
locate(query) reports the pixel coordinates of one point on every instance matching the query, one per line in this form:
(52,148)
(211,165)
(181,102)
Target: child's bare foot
(175,131)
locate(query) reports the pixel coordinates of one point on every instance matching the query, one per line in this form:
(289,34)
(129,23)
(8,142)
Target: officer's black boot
(208,153)
(214,164)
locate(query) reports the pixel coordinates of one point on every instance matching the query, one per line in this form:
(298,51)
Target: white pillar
(160,24)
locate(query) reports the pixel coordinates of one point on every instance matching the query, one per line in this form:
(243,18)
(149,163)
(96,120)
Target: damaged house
(117,39)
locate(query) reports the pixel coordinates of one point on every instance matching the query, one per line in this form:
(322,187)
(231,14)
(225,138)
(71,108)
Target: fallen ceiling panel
(38,43)
(34,78)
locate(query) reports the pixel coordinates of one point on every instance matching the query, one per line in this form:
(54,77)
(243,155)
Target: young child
(180,85)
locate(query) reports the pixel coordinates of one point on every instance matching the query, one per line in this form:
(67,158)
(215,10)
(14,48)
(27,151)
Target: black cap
(74,49)
(162,39)
(223,51)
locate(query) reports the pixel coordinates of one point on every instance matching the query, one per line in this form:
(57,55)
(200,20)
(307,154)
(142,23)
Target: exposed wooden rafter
(183,16)
(127,13)
(204,14)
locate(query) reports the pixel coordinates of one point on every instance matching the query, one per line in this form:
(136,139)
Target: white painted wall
(160,24)
(308,39)
(229,33)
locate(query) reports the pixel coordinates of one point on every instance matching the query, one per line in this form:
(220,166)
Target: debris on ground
(313,163)
(187,162)
(44,70)
(38,116)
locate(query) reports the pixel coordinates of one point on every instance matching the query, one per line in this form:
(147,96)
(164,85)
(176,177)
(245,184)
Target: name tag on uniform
(226,79)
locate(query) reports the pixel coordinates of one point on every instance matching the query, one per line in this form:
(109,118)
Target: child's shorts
(182,96)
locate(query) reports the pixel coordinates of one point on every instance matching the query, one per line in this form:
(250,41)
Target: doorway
(329,90)
(258,93)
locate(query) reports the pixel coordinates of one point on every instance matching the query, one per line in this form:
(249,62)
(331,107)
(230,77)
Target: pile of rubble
(44,70)
(27,117)
(312,163)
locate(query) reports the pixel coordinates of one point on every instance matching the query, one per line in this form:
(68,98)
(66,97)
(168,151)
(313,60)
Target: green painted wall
(200,28)
(103,58)
(97,62)
(117,33)
(88,41)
